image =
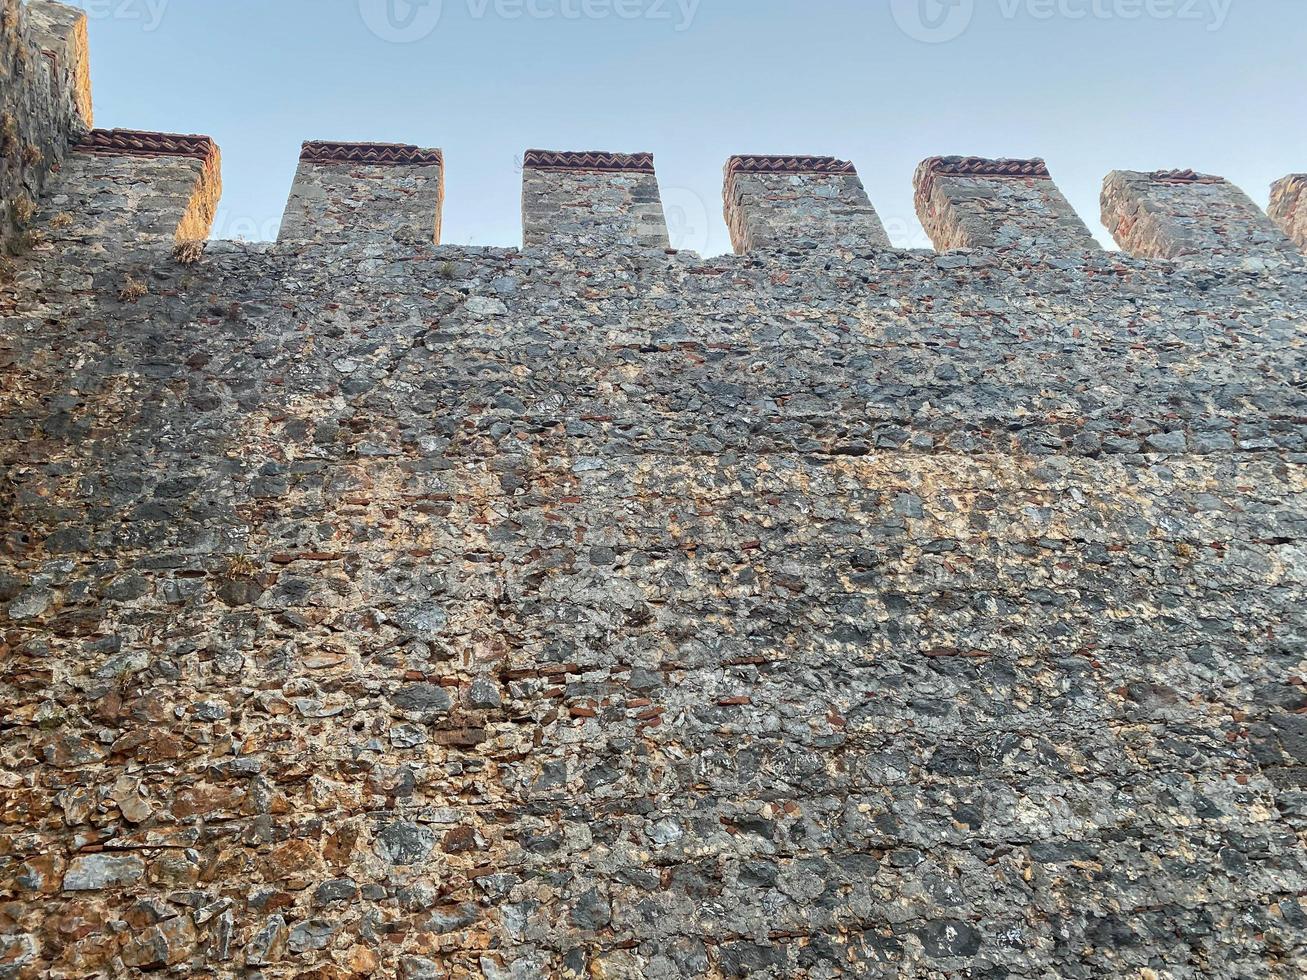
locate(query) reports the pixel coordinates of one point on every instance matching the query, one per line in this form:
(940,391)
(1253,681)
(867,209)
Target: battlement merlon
(45,103)
(778,201)
(128,185)
(60,32)
(1289,207)
(1172,214)
(972,202)
(584,199)
(356,192)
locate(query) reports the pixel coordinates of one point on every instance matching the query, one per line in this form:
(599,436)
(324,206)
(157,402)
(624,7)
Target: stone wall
(124,186)
(379,608)
(417,613)
(1289,207)
(967,202)
(781,201)
(1179,213)
(349,191)
(45,101)
(594,200)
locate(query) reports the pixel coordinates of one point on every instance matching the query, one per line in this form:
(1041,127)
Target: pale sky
(1090,85)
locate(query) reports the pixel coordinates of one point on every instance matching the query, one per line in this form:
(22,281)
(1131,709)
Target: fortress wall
(135,187)
(969,202)
(1289,207)
(783,202)
(357,191)
(1175,213)
(591,199)
(370,607)
(913,616)
(45,101)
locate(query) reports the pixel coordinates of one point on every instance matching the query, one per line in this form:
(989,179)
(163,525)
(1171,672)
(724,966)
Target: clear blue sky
(1091,85)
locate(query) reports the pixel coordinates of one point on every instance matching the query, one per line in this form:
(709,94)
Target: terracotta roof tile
(1183,177)
(131,142)
(764,164)
(589,160)
(1035,169)
(380,154)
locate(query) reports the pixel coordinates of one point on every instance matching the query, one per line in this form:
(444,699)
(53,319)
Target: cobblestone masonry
(121,184)
(45,101)
(595,200)
(784,201)
(964,202)
(1172,214)
(399,610)
(344,191)
(1289,207)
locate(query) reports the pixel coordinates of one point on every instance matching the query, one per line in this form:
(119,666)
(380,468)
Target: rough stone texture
(395,610)
(45,101)
(117,197)
(1289,207)
(1177,214)
(992,210)
(789,616)
(338,202)
(769,210)
(592,208)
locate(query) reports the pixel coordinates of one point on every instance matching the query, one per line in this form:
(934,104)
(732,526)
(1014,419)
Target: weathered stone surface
(346,191)
(782,202)
(45,101)
(1289,207)
(169,943)
(269,944)
(871,644)
(967,202)
(96,872)
(390,609)
(102,197)
(1175,214)
(578,202)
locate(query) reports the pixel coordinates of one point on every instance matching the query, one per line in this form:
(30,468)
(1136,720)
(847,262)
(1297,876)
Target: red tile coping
(1035,169)
(131,142)
(1183,177)
(764,164)
(379,154)
(595,160)
(780,165)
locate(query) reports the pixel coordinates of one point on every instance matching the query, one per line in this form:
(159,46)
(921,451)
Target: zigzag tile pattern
(131,142)
(589,160)
(977,167)
(1184,177)
(377,154)
(788,165)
